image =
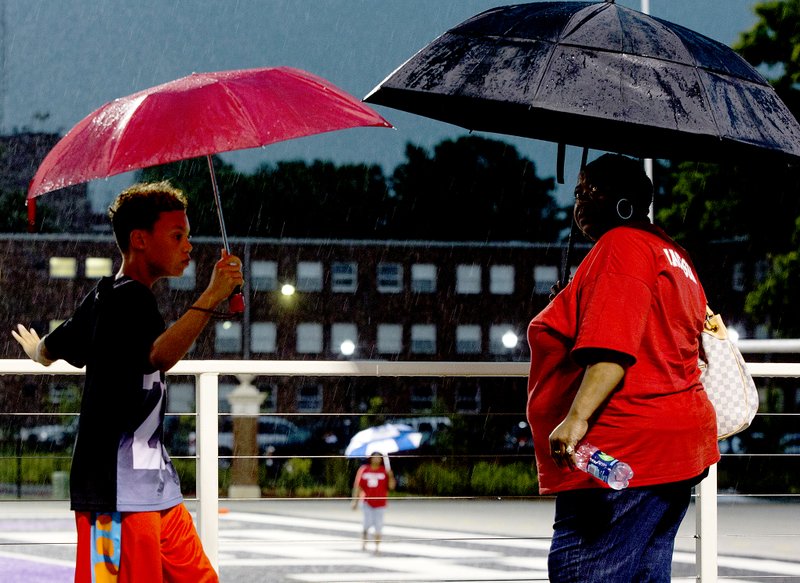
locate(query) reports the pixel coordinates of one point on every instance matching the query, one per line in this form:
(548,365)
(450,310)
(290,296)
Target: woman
(614,363)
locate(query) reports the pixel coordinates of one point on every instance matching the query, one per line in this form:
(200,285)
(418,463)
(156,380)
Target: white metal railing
(207,373)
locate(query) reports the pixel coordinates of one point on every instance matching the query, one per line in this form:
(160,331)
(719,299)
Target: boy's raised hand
(226,277)
(28,339)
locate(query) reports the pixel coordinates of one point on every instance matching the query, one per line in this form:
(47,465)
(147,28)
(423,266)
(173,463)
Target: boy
(371,488)
(132,524)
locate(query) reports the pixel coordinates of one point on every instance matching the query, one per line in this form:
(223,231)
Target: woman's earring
(626,215)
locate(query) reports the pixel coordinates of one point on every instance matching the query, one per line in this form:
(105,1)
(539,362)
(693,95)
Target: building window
(309,338)
(225,389)
(271,392)
(502,338)
(344,339)
(228,337)
(96,267)
(737,277)
(264,276)
(309,276)
(468,339)
(390,338)
(760,270)
(390,278)
(468,399)
(63,267)
(186,281)
(180,398)
(544,277)
(423,339)
(263,337)
(344,277)
(423,278)
(422,398)
(309,399)
(468,279)
(501,279)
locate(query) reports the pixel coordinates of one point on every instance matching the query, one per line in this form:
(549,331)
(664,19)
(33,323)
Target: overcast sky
(65,58)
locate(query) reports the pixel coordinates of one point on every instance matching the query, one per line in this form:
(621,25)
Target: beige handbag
(724,375)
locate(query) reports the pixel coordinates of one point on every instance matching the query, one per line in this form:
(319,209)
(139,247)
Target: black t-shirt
(119,462)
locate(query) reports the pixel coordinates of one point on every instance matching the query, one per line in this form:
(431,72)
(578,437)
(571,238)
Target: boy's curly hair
(139,206)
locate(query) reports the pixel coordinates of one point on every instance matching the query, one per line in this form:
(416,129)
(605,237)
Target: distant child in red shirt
(371,490)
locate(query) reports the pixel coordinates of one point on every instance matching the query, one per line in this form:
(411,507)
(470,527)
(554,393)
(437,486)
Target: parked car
(272,431)
(428,425)
(790,443)
(276,436)
(51,436)
(518,438)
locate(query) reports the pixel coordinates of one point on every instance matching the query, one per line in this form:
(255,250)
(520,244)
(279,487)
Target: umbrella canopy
(199,115)
(384,439)
(595,75)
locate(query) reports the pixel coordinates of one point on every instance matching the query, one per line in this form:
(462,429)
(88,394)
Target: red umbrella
(199,115)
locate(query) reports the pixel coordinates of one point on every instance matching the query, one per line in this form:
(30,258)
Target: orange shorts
(132,547)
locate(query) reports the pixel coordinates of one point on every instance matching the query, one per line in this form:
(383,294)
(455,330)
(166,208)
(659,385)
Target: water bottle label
(601,465)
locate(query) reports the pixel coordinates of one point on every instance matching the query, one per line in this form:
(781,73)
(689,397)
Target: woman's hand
(599,381)
(565,438)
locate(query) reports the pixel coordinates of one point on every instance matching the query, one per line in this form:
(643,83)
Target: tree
(287,199)
(755,204)
(473,188)
(774,300)
(13,214)
(775,42)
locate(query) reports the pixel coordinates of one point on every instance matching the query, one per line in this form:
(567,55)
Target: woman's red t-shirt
(635,293)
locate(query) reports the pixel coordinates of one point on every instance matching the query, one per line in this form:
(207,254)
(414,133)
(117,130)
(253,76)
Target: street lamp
(347,348)
(510,339)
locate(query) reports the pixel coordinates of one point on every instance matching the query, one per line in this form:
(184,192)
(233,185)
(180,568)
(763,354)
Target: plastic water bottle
(602,466)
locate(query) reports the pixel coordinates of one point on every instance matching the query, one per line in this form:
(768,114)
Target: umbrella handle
(236,299)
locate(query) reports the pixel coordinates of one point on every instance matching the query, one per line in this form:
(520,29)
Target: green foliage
(494,192)
(753,203)
(485,479)
(517,479)
(434,479)
(773,300)
(36,470)
(336,474)
(295,474)
(775,42)
(375,414)
(13,214)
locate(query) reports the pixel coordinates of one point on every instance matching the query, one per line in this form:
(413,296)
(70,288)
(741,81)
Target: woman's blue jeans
(623,536)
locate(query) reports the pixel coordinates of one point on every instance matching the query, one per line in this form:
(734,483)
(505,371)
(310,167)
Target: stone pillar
(245,403)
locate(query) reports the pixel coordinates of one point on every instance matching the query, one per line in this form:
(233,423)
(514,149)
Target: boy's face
(167,246)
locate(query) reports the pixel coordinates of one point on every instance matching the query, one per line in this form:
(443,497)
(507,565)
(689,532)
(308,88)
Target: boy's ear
(137,239)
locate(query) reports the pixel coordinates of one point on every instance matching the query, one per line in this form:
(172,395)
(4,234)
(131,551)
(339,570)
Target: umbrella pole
(565,267)
(236,301)
(218,203)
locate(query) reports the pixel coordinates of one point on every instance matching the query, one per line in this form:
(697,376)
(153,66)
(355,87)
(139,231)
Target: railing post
(706,527)
(206,391)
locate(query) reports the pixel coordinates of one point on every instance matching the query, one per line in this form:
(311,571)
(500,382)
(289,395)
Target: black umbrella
(595,75)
